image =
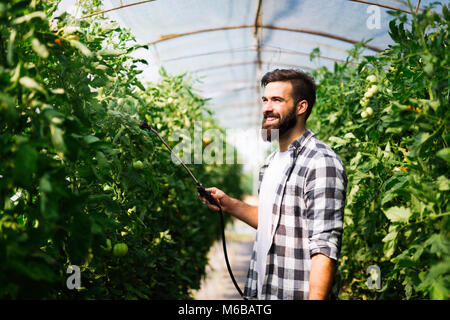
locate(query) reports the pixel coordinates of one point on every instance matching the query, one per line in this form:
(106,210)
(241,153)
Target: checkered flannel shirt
(307,219)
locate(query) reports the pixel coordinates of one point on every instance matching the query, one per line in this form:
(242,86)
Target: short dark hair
(303,86)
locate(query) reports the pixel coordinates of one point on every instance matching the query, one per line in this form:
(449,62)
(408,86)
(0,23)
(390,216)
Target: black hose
(226,255)
(207,194)
(204,193)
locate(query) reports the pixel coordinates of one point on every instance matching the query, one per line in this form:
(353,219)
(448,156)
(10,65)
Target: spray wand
(204,193)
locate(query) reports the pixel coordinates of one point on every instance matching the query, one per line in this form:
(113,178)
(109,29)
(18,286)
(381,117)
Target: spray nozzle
(144,125)
(207,194)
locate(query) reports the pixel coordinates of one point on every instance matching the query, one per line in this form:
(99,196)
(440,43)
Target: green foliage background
(396,157)
(70,102)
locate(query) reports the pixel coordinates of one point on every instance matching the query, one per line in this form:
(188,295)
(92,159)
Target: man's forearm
(321,277)
(244,212)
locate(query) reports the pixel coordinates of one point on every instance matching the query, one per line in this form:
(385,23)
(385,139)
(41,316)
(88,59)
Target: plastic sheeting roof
(230,44)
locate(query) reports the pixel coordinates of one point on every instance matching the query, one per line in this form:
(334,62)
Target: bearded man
(302,191)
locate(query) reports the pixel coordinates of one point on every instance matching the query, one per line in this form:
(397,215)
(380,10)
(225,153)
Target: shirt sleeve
(325,190)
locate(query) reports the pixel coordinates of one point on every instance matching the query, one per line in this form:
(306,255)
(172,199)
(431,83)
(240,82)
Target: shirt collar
(297,144)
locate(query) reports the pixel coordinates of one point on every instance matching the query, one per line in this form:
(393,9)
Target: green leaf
(421,138)
(26,164)
(90,139)
(419,250)
(393,31)
(444,154)
(446,12)
(81,47)
(355,160)
(314,53)
(441,290)
(140,86)
(398,214)
(108,27)
(417,205)
(111,52)
(7,108)
(389,242)
(436,280)
(26,18)
(401,183)
(388,196)
(337,142)
(36,270)
(39,48)
(31,84)
(443,183)
(439,245)
(44,184)
(102,161)
(10,55)
(57,138)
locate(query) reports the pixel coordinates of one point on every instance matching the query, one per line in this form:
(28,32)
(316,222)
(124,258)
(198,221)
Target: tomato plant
(387,117)
(77,174)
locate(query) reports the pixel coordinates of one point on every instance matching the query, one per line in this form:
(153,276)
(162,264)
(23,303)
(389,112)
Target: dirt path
(217,285)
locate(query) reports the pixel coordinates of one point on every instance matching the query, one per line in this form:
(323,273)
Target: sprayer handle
(207,194)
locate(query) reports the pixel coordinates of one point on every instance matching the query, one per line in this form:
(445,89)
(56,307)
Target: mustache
(270,114)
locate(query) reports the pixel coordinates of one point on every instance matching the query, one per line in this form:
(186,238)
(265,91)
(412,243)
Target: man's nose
(267,107)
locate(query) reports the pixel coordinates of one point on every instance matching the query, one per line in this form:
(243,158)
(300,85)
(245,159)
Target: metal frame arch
(264,26)
(145,1)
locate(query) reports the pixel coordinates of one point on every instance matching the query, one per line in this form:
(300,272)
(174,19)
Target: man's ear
(302,106)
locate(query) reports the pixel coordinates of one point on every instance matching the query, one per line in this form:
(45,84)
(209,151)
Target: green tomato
(374,89)
(364,102)
(363,114)
(429,68)
(120,249)
(369,111)
(371,78)
(138,164)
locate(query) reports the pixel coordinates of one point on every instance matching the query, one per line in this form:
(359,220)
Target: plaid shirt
(307,219)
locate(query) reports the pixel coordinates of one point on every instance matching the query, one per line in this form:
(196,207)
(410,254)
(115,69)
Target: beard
(272,132)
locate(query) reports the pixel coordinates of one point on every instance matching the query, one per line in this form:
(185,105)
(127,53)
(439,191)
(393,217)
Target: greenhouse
(139,138)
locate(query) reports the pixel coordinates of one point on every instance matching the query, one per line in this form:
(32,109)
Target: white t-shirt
(267,193)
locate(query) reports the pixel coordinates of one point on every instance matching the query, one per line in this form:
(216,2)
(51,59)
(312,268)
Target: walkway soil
(217,285)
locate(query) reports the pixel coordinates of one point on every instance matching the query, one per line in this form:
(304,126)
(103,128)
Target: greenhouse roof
(230,44)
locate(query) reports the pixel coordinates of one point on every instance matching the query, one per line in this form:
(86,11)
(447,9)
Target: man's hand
(321,276)
(221,198)
(237,208)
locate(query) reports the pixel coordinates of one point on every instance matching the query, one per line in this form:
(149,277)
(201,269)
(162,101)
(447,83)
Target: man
(302,192)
